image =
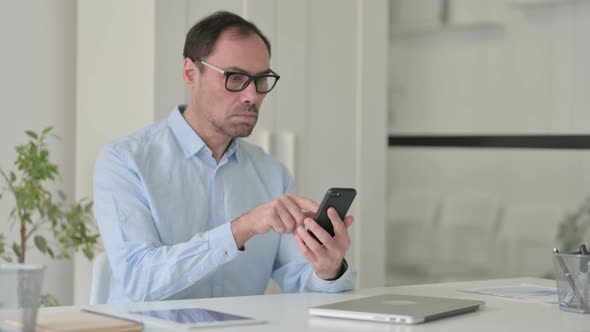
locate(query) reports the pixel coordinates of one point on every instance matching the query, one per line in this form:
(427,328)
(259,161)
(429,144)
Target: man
(186,209)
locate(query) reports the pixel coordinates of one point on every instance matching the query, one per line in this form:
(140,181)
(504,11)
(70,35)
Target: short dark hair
(201,38)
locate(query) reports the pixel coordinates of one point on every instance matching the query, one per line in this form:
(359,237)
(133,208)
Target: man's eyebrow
(240,70)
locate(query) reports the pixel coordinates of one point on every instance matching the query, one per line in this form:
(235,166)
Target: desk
(288,312)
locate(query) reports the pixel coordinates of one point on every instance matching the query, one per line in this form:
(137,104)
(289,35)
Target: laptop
(396,308)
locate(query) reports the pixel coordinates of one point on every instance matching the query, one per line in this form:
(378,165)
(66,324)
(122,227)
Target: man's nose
(249,94)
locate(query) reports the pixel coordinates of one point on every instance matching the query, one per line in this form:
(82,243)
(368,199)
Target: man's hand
(282,215)
(326,259)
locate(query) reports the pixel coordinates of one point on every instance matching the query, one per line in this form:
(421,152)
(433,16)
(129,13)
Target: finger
(294,209)
(305,251)
(286,219)
(274,221)
(348,221)
(305,203)
(319,232)
(310,242)
(309,214)
(337,223)
(340,228)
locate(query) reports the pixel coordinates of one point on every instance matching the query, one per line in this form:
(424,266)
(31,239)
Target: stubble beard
(235,129)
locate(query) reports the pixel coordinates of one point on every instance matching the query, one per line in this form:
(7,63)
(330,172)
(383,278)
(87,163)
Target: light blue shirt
(164,206)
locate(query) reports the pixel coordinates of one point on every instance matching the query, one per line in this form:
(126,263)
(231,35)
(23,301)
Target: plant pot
(20,288)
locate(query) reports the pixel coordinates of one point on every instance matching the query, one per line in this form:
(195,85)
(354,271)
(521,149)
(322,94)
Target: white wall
(170,31)
(37,89)
(115,74)
(498,68)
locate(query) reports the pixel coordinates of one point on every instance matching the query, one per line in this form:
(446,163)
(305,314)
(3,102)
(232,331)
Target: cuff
(223,244)
(343,283)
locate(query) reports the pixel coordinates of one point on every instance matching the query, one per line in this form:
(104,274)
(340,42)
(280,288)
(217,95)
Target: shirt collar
(189,140)
(232,149)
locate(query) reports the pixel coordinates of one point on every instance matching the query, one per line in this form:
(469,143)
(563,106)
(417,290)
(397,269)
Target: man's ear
(190,72)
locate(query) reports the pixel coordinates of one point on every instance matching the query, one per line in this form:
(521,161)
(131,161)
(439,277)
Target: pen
(583,259)
(569,279)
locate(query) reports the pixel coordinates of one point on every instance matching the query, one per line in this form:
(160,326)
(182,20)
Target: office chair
(527,232)
(101,277)
(467,237)
(411,231)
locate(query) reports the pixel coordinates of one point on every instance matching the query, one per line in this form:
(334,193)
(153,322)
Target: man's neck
(217,142)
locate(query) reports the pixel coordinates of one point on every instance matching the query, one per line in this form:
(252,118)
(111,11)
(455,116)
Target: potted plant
(55,226)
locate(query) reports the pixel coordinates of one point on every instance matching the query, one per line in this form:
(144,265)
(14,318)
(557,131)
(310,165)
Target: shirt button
(123,218)
(226,255)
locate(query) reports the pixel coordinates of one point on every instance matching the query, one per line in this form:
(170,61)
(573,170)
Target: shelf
(534,3)
(531,141)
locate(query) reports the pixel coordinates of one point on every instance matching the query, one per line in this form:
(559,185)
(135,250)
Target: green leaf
(16,249)
(88,208)
(32,134)
(47,130)
(88,253)
(48,300)
(41,243)
(71,225)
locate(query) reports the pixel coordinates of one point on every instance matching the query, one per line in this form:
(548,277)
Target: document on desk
(526,292)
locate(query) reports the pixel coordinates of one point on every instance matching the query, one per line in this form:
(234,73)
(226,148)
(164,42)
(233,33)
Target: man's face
(232,114)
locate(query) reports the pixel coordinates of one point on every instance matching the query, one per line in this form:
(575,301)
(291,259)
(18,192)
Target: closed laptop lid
(397,308)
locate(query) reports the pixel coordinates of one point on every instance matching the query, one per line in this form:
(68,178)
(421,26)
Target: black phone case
(338,198)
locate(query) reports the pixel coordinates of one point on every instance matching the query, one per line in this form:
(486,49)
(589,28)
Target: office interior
(353,73)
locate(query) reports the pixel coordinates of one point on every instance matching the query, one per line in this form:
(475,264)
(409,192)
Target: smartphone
(338,198)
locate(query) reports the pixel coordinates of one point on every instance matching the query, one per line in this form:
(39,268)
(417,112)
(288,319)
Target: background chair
(528,234)
(466,238)
(411,230)
(101,277)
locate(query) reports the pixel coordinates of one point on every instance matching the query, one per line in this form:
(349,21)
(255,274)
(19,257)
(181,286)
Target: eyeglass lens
(238,82)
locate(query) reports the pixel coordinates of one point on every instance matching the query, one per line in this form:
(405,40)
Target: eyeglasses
(236,82)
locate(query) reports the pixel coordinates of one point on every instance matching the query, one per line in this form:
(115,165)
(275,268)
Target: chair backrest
(411,227)
(528,233)
(101,277)
(468,228)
